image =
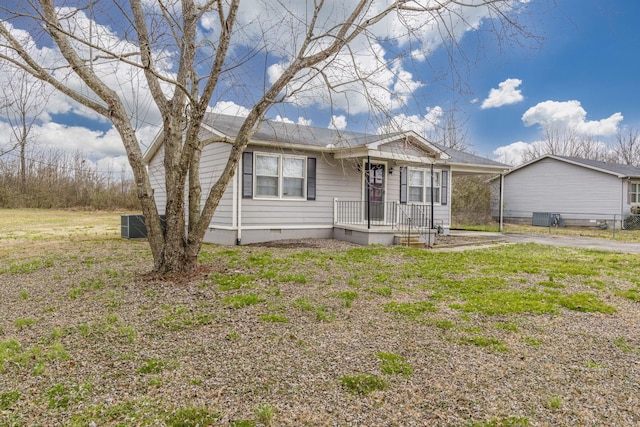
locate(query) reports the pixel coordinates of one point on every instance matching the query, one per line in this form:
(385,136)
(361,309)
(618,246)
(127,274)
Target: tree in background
(24,99)
(189,54)
(627,146)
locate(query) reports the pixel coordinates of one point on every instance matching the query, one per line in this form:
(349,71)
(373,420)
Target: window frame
(634,194)
(426,186)
(280,175)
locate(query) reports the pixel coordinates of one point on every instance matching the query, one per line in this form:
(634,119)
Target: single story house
(299,181)
(559,190)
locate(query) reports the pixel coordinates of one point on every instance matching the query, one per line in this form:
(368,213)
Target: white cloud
(422,125)
(570,116)
(301,120)
(361,80)
(512,154)
(230,108)
(506,94)
(338,123)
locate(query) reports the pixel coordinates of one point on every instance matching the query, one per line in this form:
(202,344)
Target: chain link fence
(612,225)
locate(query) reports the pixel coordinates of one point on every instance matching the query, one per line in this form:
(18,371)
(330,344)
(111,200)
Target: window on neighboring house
(419,184)
(634,192)
(280,176)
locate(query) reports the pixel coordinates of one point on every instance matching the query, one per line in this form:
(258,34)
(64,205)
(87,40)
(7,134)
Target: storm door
(375,187)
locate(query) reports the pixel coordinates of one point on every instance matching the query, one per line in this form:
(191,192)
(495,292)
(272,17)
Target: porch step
(413,241)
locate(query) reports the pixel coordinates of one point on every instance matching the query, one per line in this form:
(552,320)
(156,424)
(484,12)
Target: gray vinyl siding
(156,176)
(334,179)
(550,185)
(214,159)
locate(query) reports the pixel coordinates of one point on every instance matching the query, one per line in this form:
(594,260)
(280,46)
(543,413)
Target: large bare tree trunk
(172,32)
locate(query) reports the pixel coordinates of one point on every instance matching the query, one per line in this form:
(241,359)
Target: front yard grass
(508,335)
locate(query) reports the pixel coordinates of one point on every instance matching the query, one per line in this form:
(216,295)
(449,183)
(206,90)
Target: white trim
(271,227)
(427,176)
(386,183)
(281,157)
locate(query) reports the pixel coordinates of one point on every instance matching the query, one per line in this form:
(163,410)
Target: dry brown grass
(265,335)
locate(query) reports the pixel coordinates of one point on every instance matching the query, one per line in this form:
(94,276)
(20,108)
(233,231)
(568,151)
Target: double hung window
(634,192)
(419,183)
(280,176)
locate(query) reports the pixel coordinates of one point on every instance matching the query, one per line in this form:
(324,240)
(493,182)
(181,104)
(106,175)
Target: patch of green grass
(35,357)
(239,301)
(233,336)
(622,344)
(593,365)
(585,302)
(24,295)
(8,399)
(409,309)
(179,317)
(363,383)
(274,318)
(384,291)
(503,422)
(62,396)
(393,364)
(143,412)
(632,294)
(264,413)
(155,366)
(347,297)
(85,286)
(228,282)
(191,416)
(303,304)
(323,315)
(507,326)
(443,323)
(23,322)
(508,302)
(553,402)
(292,278)
(27,267)
(492,343)
(533,342)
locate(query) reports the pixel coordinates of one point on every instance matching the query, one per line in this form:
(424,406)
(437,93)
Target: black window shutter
(247,175)
(311,178)
(403,184)
(445,188)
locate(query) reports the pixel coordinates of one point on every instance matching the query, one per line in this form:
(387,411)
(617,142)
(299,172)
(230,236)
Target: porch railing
(409,217)
(356,212)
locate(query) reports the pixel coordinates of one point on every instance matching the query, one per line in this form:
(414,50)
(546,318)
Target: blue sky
(589,54)
(580,75)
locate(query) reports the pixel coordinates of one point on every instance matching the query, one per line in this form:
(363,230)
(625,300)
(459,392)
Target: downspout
(367,177)
(500,204)
(239,206)
(432,210)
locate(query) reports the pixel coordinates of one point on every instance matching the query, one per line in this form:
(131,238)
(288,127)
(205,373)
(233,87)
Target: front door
(375,186)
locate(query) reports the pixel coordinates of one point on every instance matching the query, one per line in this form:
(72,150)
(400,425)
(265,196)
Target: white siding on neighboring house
(550,185)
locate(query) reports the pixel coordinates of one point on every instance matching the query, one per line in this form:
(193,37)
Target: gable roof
(616,169)
(405,146)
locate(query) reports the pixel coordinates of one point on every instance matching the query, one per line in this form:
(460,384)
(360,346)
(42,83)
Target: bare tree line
(624,150)
(55,179)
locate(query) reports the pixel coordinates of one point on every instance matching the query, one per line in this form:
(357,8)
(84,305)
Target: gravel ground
(110,344)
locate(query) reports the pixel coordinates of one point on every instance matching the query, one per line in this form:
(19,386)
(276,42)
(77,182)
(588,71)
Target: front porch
(385,223)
